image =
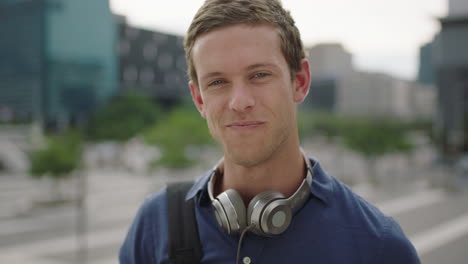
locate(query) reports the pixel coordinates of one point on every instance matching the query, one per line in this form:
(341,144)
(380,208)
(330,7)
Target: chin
(249,158)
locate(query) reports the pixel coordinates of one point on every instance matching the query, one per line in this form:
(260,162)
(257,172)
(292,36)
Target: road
(435,220)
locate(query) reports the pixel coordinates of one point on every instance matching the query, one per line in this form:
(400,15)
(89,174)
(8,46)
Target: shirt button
(246,260)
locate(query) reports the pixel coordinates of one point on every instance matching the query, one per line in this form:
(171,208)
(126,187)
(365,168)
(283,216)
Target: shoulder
(146,239)
(396,246)
(344,208)
(355,211)
(154,204)
(361,216)
(360,211)
(152,213)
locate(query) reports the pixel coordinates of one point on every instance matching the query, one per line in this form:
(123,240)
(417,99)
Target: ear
(197,98)
(302,82)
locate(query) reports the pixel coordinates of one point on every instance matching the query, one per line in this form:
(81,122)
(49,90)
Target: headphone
(269,213)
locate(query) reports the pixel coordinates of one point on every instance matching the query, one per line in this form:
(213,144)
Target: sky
(383,36)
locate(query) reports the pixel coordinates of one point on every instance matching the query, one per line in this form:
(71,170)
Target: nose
(242,98)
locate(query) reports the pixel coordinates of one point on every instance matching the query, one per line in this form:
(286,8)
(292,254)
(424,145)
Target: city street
(435,220)
(104,103)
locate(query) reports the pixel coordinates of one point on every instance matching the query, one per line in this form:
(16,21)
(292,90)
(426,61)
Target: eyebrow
(261,65)
(210,75)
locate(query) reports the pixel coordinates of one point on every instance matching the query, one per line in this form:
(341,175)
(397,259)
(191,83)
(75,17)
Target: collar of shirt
(321,188)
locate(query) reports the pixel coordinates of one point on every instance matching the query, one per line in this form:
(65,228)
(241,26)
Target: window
(130,73)
(150,50)
(131,33)
(147,75)
(172,79)
(159,38)
(180,63)
(180,42)
(124,47)
(165,61)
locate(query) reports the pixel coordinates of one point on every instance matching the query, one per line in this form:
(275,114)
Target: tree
(122,118)
(57,159)
(183,128)
(374,138)
(321,123)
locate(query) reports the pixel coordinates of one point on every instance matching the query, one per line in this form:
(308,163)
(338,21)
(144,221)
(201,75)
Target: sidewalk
(30,234)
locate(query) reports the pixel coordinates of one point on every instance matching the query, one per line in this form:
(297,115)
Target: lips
(245,124)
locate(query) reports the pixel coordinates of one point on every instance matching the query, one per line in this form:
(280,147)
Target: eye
(260,75)
(215,82)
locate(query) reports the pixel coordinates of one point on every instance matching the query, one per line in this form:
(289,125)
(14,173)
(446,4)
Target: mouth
(245,124)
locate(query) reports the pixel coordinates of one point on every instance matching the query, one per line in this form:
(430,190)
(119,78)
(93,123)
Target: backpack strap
(184,241)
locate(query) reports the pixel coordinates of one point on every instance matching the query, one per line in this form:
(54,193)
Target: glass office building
(58,59)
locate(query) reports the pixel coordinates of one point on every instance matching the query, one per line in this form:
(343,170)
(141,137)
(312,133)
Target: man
(248,72)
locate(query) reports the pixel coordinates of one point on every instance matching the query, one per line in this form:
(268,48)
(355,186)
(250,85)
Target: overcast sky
(382,35)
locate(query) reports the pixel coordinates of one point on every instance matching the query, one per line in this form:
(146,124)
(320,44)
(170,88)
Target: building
(338,87)
(426,73)
(329,60)
(329,63)
(458,8)
(422,101)
(382,95)
(366,94)
(21,60)
(322,95)
(451,66)
(58,59)
(152,63)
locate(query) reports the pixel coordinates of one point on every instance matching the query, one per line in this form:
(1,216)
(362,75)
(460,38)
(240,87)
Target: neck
(284,171)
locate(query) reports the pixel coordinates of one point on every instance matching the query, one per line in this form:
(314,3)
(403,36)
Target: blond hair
(215,14)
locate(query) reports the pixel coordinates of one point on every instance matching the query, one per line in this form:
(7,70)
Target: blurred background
(95,114)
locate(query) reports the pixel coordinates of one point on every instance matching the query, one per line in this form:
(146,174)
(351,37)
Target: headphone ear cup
(257,207)
(276,217)
(233,208)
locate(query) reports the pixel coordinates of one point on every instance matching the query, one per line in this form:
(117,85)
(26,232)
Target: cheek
(213,118)
(281,98)
(282,105)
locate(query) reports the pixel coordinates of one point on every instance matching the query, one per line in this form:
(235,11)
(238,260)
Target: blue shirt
(335,226)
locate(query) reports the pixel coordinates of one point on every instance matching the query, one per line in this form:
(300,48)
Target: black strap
(184,242)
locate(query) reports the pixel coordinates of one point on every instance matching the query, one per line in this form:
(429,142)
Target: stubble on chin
(251,155)
(247,160)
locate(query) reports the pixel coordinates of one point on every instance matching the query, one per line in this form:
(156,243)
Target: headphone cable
(240,242)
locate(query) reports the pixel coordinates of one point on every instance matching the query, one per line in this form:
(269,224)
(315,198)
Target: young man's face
(245,91)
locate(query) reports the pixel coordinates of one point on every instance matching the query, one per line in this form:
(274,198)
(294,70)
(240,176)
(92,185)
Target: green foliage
(122,118)
(60,157)
(424,127)
(373,138)
(321,123)
(369,137)
(183,128)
